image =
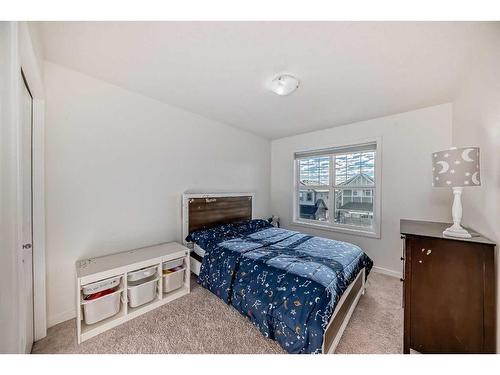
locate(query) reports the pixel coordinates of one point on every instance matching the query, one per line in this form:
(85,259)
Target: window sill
(334,228)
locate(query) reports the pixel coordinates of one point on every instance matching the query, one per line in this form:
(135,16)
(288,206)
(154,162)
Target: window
(337,189)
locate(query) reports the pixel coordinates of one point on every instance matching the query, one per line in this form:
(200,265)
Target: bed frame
(208,210)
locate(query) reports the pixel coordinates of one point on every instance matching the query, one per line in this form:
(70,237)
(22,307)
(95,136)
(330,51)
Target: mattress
(199,251)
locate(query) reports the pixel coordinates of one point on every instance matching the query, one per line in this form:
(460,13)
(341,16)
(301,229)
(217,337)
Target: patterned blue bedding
(287,283)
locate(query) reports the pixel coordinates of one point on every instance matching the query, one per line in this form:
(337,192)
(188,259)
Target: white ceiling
(349,71)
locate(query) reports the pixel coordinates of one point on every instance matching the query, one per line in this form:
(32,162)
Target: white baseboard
(60,317)
(387,272)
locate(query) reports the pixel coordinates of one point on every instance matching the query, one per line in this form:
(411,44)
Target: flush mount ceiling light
(284,84)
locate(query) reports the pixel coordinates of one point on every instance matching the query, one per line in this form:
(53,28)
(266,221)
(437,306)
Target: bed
(297,289)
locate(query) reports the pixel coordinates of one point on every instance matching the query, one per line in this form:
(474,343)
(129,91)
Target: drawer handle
(402,280)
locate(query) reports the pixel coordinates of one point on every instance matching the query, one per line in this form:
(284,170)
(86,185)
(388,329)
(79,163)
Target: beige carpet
(202,323)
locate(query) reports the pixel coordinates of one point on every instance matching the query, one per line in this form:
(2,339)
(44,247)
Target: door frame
(26,60)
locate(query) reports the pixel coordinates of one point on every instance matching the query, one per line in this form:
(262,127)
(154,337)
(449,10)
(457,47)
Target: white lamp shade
(456,167)
(284,84)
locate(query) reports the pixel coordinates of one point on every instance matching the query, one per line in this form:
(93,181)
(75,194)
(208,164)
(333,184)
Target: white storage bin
(141,274)
(101,285)
(101,308)
(140,293)
(173,263)
(173,280)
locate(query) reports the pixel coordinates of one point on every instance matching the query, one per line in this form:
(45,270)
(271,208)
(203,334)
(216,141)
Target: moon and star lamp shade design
(456,168)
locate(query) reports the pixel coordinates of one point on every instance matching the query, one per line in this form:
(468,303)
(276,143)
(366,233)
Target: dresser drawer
(447,297)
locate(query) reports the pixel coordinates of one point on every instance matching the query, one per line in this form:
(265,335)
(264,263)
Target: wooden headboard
(202,211)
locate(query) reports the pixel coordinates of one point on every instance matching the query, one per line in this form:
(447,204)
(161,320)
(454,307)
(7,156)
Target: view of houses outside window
(337,189)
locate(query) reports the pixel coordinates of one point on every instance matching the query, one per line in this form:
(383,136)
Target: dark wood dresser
(449,291)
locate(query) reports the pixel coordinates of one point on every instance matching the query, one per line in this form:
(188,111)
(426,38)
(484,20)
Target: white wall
(476,122)
(408,140)
(116,165)
(35,34)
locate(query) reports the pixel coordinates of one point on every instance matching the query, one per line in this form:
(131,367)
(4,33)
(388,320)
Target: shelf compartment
(143,291)
(173,280)
(102,308)
(90,330)
(170,296)
(135,311)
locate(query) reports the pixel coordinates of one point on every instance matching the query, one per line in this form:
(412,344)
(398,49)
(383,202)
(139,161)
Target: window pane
(355,169)
(314,171)
(313,204)
(356,210)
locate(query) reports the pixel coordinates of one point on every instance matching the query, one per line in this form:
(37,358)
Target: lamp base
(456,231)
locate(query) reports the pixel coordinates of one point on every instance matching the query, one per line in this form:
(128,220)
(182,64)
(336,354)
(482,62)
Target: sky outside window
(349,165)
(315,171)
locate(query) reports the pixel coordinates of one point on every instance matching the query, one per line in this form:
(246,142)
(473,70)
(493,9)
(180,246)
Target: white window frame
(374,230)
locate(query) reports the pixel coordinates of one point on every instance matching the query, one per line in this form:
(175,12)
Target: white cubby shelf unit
(95,269)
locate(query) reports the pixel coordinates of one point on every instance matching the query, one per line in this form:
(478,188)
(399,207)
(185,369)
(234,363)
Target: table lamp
(456,168)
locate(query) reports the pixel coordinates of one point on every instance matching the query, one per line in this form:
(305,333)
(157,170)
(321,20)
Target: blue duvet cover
(287,283)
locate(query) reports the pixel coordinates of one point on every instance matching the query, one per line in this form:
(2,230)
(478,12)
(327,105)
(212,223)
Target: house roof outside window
(358,206)
(361,179)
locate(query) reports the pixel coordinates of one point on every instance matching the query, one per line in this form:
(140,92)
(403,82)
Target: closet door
(447,296)
(27,224)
